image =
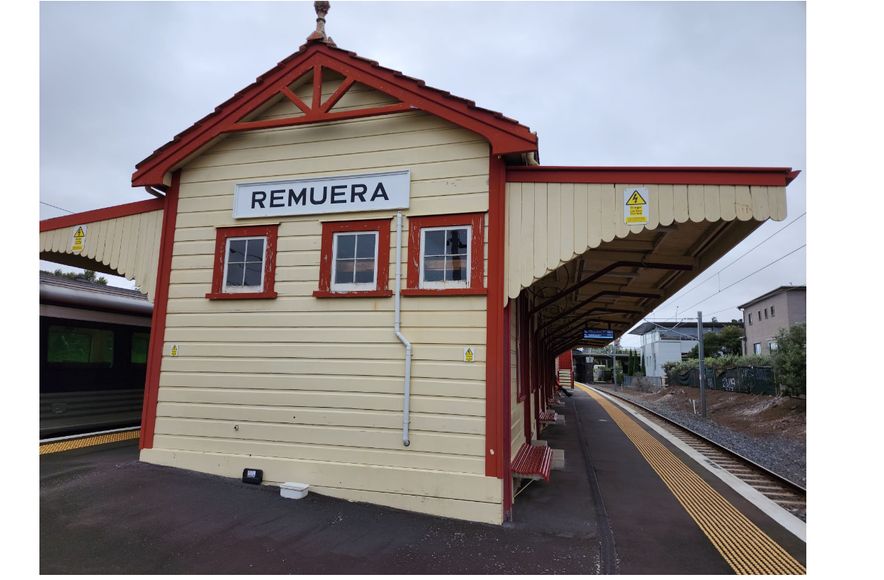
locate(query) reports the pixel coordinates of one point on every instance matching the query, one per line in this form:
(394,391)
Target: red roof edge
(762,176)
(105,213)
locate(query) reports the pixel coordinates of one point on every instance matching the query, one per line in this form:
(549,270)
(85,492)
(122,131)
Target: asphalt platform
(102,511)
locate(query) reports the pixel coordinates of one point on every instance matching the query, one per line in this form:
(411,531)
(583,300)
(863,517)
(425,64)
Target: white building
(664,342)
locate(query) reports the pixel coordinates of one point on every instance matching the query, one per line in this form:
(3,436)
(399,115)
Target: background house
(766,315)
(664,342)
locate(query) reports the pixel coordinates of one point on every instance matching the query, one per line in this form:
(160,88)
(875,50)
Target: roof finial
(319,34)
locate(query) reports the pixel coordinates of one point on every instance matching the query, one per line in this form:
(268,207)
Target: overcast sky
(601,84)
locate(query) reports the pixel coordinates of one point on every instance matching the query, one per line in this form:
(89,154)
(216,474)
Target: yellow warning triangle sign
(636,199)
(79,233)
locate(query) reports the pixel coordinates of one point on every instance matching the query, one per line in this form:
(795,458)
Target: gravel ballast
(782,455)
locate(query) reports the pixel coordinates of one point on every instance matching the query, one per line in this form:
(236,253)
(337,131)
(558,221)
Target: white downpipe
(407,398)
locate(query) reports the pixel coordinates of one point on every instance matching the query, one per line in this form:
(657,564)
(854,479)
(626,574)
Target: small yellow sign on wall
(635,206)
(468,354)
(174,350)
(79,239)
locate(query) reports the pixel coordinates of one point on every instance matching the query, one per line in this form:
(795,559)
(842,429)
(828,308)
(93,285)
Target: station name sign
(372,192)
(598,333)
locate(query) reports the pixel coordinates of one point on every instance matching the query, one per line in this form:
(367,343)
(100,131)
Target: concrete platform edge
(791,523)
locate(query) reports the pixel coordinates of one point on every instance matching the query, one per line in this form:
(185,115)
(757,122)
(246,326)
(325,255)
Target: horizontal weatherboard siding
(311,389)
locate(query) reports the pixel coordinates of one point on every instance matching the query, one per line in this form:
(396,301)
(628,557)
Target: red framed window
(245,263)
(446,255)
(355,260)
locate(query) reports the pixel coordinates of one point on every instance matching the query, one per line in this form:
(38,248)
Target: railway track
(785,493)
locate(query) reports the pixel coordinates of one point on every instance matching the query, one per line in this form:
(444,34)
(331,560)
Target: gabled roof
(504,134)
(772,293)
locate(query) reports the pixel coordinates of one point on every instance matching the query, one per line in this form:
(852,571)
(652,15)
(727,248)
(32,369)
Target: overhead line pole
(701,354)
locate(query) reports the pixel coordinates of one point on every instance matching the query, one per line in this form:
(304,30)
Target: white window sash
(354,286)
(244,289)
(441,285)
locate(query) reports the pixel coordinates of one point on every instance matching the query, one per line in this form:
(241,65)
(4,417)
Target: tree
(790,359)
(87,275)
(727,342)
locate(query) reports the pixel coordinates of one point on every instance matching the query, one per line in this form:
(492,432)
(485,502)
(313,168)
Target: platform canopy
(570,250)
(122,240)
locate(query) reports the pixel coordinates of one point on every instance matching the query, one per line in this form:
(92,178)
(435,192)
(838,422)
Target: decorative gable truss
(321,83)
(321,94)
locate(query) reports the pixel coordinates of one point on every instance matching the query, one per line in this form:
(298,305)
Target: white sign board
(635,206)
(349,193)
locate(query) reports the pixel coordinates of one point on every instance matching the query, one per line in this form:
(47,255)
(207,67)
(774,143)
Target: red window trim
(477,254)
(329,229)
(222,235)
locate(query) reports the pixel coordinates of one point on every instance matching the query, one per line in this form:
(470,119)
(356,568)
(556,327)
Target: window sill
(353,294)
(240,295)
(444,291)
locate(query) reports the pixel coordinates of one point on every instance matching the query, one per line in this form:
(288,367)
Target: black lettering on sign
(379,191)
(257,200)
(298,198)
(276,197)
(337,194)
(313,196)
(358,190)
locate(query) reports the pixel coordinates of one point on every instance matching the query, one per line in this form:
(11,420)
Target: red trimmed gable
(505,135)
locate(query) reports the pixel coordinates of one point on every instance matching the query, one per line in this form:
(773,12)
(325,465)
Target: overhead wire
(740,257)
(768,265)
(56,207)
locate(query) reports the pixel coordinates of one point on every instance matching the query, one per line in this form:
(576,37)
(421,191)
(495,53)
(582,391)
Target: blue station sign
(598,334)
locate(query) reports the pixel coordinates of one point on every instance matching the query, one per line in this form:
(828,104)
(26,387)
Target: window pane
(343,272)
(237,251)
(346,245)
(365,245)
(434,269)
(80,345)
(365,271)
(457,241)
(253,274)
(456,268)
(434,243)
(255,251)
(138,354)
(234,274)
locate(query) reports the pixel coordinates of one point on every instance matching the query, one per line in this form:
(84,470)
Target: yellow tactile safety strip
(746,548)
(68,445)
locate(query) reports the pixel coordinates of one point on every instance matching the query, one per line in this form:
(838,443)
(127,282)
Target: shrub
(719,363)
(790,360)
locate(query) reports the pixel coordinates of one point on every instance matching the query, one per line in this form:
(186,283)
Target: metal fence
(749,380)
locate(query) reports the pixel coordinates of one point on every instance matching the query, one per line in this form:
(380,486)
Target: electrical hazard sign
(635,206)
(78,241)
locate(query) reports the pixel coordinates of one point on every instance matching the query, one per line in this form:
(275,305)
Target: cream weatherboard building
(271,255)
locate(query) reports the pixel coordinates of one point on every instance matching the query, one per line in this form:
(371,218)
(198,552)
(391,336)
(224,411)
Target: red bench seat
(533,462)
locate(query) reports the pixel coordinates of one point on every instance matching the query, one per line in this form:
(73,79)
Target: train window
(139,347)
(69,344)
